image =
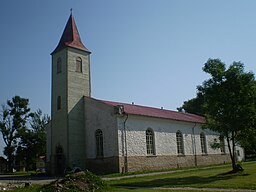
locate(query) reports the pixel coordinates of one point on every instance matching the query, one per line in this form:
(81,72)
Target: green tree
(194,105)
(13,118)
(229,102)
(33,141)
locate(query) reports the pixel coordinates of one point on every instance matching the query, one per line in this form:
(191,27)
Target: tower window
(180,144)
(78,65)
(59,65)
(150,142)
(58,102)
(203,143)
(99,143)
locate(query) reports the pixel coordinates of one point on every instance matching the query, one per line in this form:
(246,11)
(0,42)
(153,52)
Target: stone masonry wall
(59,124)
(140,163)
(165,144)
(104,165)
(100,116)
(78,85)
(164,136)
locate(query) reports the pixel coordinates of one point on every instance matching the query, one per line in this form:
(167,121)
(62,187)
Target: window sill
(149,156)
(181,155)
(204,154)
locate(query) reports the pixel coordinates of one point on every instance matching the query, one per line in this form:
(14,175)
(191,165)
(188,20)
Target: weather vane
(71,11)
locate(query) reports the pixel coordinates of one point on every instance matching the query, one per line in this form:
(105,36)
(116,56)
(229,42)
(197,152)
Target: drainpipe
(125,146)
(194,144)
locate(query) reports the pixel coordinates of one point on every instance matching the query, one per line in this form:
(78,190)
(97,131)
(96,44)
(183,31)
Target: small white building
(106,136)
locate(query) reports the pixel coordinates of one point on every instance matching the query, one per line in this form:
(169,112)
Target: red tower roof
(70,37)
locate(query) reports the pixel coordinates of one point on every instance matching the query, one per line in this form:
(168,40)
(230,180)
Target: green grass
(212,177)
(217,177)
(113,175)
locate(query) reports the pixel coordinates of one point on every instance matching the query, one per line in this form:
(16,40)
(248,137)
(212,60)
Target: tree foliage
(13,119)
(23,132)
(194,106)
(33,141)
(228,102)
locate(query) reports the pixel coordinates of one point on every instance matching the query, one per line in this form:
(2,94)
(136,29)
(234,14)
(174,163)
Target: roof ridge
(163,109)
(154,112)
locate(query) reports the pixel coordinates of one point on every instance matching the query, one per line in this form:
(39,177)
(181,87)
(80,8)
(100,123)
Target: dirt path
(25,179)
(189,189)
(156,173)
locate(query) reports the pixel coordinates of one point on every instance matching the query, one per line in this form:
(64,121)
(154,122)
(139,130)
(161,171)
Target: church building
(107,136)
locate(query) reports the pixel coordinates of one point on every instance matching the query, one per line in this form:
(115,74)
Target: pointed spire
(70,37)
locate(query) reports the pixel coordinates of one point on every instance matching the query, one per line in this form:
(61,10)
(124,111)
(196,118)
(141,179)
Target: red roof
(155,112)
(70,37)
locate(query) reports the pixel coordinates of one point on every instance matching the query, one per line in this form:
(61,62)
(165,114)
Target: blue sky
(150,52)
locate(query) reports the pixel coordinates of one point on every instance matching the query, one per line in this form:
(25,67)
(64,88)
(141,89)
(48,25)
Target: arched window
(150,142)
(180,144)
(99,143)
(203,143)
(79,65)
(59,65)
(58,102)
(222,145)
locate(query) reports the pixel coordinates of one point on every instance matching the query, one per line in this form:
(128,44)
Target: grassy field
(213,177)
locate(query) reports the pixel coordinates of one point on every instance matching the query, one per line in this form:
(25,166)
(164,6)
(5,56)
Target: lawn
(214,177)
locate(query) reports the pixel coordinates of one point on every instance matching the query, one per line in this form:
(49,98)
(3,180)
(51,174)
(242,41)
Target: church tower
(70,82)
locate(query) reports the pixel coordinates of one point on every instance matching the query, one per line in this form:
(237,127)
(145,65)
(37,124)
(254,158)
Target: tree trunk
(9,153)
(231,153)
(10,162)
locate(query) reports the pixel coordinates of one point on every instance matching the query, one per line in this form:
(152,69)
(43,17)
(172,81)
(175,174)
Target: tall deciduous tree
(33,140)
(229,102)
(13,118)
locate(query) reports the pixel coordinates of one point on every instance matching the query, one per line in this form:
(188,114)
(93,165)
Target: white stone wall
(100,116)
(165,136)
(240,155)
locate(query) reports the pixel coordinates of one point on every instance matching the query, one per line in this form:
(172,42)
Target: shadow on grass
(180,181)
